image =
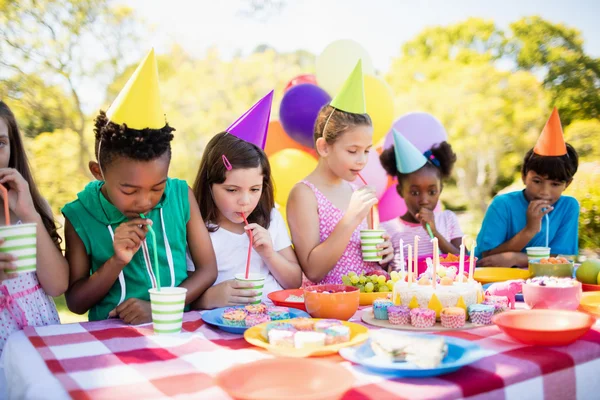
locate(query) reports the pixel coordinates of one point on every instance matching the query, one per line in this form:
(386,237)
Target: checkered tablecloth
(107,359)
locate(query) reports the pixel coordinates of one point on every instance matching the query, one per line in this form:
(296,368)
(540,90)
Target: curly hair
(556,168)
(442,152)
(118,140)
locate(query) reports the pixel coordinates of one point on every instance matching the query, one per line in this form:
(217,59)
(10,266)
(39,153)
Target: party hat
(138,104)
(351,97)
(551,141)
(408,157)
(252,126)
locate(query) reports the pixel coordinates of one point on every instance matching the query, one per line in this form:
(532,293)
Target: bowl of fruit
(551,292)
(372,285)
(551,266)
(331,301)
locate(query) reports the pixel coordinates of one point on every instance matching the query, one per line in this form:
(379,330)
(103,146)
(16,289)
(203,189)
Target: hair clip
(431,158)
(226,162)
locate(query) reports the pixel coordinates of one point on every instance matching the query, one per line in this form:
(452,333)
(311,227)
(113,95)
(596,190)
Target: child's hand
(535,212)
(7,265)
(129,237)
(361,202)
(387,250)
(133,311)
(233,293)
(261,240)
(506,260)
(19,196)
(426,216)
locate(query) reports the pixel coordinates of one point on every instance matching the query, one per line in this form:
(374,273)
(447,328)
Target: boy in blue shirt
(539,215)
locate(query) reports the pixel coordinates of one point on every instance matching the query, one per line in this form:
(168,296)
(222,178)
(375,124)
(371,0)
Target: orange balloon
(278,140)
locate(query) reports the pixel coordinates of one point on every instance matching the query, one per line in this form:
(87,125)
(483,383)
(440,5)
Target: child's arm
(52,269)
(202,253)
(316,258)
(85,291)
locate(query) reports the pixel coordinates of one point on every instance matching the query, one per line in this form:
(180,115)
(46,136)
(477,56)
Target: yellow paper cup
(369,239)
(258,282)
(20,241)
(167,309)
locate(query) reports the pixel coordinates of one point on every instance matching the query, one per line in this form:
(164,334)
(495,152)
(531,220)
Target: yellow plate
(255,336)
(495,274)
(367,299)
(590,303)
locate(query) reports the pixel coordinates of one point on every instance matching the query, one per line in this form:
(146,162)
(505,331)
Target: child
(234,179)
(104,230)
(539,215)
(325,213)
(420,183)
(25,298)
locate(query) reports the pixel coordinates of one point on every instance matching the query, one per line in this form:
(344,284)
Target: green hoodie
(95,220)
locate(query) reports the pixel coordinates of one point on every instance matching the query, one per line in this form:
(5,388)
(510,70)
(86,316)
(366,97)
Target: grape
(390,285)
(354,279)
(395,276)
(369,287)
(362,279)
(351,274)
(383,289)
(361,288)
(381,279)
(346,280)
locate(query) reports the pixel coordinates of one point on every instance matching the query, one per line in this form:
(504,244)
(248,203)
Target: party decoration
(421,129)
(299,109)
(380,105)
(336,62)
(289,167)
(551,141)
(252,126)
(278,140)
(408,157)
(300,79)
(351,97)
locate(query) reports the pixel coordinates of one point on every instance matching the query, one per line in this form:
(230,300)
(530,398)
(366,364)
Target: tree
(582,135)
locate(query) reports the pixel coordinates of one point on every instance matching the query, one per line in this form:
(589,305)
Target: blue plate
(460,353)
(518,296)
(213,317)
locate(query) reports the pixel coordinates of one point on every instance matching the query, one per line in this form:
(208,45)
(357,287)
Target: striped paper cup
(258,284)
(369,239)
(535,253)
(167,309)
(20,241)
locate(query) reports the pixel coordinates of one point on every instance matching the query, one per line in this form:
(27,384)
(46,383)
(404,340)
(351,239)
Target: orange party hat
(551,141)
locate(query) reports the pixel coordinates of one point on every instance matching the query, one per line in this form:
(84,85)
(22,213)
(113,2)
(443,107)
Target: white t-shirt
(231,250)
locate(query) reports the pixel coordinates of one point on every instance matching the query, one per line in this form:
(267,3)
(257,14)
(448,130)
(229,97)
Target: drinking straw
(156,271)
(547,229)
(249,247)
(6,209)
(429,230)
(372,224)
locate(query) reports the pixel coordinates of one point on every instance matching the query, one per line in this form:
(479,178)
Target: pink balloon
(420,128)
(374,174)
(391,205)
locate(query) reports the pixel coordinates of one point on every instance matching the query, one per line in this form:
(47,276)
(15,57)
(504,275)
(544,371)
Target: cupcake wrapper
(329,340)
(234,323)
(423,321)
(399,319)
(453,321)
(381,313)
(482,318)
(278,317)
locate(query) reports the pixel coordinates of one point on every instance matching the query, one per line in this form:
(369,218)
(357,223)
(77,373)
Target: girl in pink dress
(25,297)
(325,212)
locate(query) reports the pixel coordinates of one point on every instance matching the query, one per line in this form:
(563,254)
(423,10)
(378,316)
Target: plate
(590,303)
(213,317)
(587,287)
(496,274)
(369,318)
(460,353)
(279,298)
(367,299)
(255,336)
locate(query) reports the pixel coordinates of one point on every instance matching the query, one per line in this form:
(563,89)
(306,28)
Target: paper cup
(258,284)
(20,241)
(535,253)
(369,239)
(167,309)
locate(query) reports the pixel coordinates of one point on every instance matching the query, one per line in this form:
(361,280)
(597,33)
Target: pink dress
(351,260)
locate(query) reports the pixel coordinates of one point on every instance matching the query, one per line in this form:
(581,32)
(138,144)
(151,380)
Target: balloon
(278,140)
(336,62)
(391,205)
(420,128)
(299,109)
(300,79)
(374,174)
(380,105)
(288,167)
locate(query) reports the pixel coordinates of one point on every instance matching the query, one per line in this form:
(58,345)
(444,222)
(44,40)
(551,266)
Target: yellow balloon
(380,105)
(288,167)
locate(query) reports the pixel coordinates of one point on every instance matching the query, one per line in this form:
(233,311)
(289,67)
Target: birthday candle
(402,254)
(436,260)
(461,265)
(409,265)
(416,257)
(472,261)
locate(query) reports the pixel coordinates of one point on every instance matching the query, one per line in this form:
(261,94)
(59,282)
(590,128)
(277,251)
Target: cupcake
(399,315)
(282,326)
(337,334)
(256,308)
(500,303)
(422,317)
(380,308)
(234,317)
(278,313)
(303,324)
(322,325)
(309,340)
(481,313)
(280,337)
(453,317)
(256,319)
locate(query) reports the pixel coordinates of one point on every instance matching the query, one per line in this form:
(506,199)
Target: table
(107,359)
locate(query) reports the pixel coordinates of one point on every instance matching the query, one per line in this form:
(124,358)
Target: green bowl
(558,270)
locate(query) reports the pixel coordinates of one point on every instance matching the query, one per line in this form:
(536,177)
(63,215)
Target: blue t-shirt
(507,216)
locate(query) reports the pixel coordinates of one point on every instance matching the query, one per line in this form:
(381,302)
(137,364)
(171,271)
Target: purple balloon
(299,109)
(420,128)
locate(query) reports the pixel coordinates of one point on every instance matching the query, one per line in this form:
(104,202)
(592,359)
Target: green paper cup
(258,282)
(20,241)
(369,239)
(167,309)
(536,253)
